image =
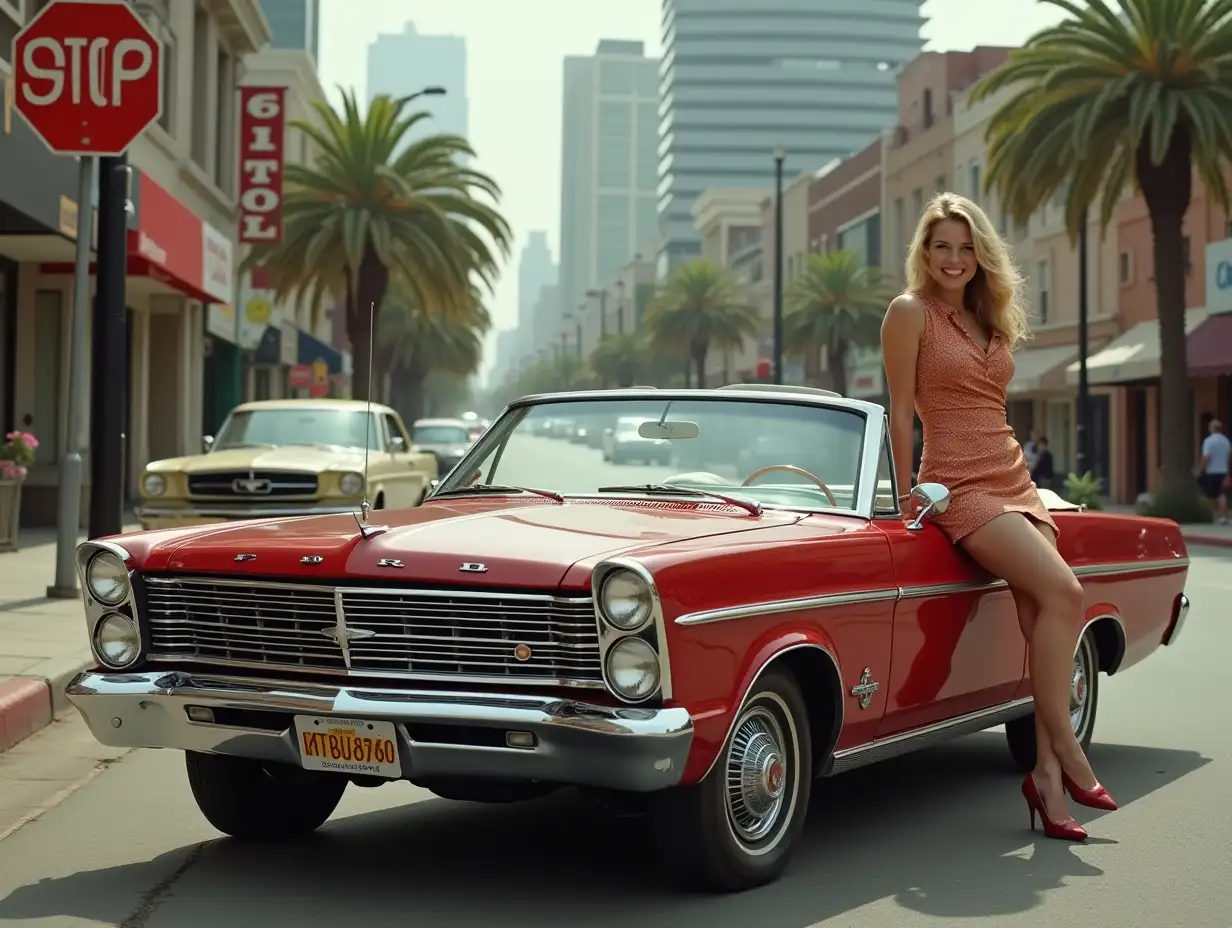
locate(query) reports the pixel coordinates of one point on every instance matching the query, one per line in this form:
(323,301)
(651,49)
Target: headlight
(154,485)
(107,578)
(625,599)
(633,669)
(351,484)
(117,641)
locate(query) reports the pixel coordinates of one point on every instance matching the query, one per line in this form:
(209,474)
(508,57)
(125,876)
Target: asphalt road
(91,838)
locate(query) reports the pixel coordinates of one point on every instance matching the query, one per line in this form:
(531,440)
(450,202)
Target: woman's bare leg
(1009,547)
(1047,766)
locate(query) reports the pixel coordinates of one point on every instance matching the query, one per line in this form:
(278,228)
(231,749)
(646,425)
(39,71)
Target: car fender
(713,728)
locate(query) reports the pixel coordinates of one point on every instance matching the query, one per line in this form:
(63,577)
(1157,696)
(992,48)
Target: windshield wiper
(751,506)
(497,488)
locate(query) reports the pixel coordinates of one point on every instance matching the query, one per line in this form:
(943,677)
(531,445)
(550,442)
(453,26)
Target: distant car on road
(446,439)
(297,457)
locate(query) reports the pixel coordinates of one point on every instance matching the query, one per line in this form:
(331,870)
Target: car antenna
(366,530)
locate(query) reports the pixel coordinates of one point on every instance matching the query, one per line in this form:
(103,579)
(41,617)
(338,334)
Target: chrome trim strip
(1175,632)
(908,741)
(639,750)
(1130,567)
(840,707)
(865,503)
(368,590)
(243,512)
(608,636)
(1082,570)
(773,607)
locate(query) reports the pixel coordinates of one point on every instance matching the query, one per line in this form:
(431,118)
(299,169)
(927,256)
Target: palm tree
(1104,99)
(360,213)
(700,307)
(415,342)
(621,360)
(836,304)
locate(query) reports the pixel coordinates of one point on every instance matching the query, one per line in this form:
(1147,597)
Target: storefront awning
(1041,369)
(1209,346)
(1133,355)
(313,349)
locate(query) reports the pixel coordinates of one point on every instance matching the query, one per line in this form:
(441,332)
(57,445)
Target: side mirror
(397,444)
(207,443)
(931,498)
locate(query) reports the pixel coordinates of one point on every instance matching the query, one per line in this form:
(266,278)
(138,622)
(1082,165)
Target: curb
(1212,541)
(29,703)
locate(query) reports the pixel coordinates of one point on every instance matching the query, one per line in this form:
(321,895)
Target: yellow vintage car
(274,458)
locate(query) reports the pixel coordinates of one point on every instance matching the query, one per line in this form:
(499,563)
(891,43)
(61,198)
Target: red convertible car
(712,636)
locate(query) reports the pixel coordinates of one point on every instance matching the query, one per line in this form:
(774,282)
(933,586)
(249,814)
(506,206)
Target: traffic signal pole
(109,372)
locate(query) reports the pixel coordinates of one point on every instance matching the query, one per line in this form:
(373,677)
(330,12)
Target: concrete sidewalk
(42,641)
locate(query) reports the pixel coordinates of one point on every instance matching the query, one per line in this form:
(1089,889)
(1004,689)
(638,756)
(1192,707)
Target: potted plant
(16,456)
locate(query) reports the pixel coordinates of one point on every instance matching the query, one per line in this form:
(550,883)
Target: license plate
(348,746)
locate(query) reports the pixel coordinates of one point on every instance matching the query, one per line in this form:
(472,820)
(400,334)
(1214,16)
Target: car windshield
(813,452)
(440,435)
(290,426)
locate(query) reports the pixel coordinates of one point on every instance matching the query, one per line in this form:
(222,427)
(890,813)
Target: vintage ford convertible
(711,637)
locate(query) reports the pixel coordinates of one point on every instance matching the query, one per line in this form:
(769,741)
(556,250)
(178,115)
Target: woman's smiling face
(951,255)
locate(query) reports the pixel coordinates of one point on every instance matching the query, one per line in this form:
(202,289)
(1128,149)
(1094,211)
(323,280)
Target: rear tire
(253,800)
(736,828)
(1083,700)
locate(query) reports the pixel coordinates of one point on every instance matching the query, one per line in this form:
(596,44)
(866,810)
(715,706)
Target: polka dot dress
(968,445)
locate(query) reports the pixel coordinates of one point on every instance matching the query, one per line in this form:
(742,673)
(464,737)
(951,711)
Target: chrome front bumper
(440,734)
(161,516)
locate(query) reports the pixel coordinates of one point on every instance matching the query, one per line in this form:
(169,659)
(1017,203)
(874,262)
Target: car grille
(391,632)
(259,484)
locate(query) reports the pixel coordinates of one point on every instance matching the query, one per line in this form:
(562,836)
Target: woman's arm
(900,344)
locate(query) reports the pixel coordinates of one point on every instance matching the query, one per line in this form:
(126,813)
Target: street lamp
(433,91)
(601,295)
(779,157)
(577,318)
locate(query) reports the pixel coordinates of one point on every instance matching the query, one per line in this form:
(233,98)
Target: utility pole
(1083,456)
(109,371)
(779,157)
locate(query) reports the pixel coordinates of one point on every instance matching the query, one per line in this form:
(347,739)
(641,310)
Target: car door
(957,647)
(408,470)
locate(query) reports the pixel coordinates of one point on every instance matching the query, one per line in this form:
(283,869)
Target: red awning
(1209,347)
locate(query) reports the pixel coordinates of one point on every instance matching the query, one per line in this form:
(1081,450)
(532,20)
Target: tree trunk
(838,367)
(700,349)
(407,391)
(1167,188)
(370,286)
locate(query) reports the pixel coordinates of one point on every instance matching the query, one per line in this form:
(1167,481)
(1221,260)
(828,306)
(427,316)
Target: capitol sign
(1219,276)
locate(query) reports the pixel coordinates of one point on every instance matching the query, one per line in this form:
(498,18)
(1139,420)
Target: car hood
(305,458)
(518,544)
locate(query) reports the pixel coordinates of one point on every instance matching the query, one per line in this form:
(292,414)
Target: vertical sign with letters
(262,134)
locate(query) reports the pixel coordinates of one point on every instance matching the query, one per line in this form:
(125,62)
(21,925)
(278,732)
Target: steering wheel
(791,468)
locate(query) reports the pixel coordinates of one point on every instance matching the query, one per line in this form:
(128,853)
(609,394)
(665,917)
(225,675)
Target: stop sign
(88,76)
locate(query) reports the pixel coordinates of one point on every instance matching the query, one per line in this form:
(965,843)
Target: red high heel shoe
(1094,798)
(1068,830)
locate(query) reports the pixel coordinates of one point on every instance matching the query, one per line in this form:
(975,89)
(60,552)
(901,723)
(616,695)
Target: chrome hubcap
(756,774)
(1079,689)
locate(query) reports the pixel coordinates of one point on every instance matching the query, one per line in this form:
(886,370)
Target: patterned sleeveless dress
(969,446)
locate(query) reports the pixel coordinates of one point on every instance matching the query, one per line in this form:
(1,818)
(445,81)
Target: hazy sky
(515,53)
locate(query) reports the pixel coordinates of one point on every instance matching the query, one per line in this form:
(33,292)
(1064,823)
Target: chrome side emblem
(389,562)
(240,558)
(471,567)
(311,559)
(865,689)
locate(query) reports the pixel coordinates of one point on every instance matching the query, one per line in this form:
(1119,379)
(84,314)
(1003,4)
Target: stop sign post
(88,80)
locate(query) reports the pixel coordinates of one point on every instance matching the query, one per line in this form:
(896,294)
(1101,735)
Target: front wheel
(259,801)
(1083,702)
(736,828)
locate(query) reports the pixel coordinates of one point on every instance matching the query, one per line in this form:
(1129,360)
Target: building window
(917,202)
(201,83)
(976,193)
(48,328)
(928,107)
(939,184)
(224,138)
(615,145)
(1125,269)
(617,78)
(1041,283)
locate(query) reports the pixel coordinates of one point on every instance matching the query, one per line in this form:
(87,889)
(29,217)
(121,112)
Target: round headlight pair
(351,484)
(626,599)
(633,669)
(154,484)
(117,641)
(107,578)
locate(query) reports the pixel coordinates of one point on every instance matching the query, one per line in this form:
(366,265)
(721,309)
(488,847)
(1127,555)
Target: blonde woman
(947,343)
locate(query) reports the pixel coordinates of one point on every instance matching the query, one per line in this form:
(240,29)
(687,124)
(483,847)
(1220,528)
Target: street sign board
(88,76)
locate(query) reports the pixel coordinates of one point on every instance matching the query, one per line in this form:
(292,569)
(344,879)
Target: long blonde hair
(994,294)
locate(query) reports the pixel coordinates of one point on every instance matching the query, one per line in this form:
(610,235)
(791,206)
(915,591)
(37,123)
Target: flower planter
(10,513)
